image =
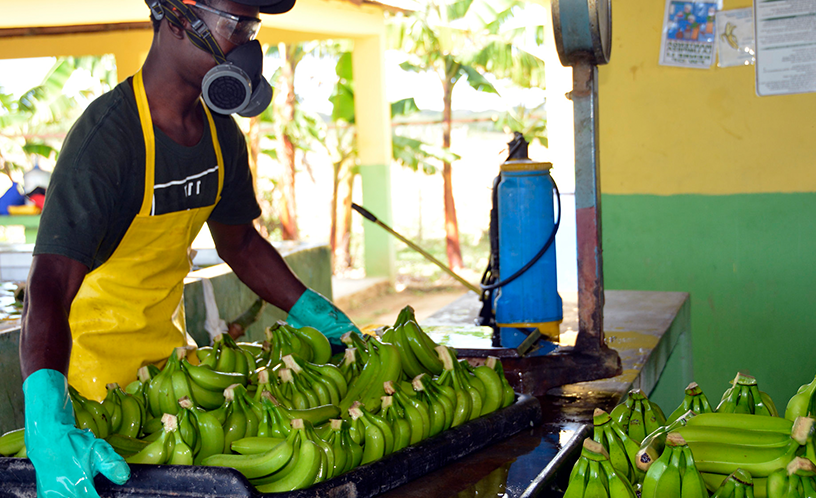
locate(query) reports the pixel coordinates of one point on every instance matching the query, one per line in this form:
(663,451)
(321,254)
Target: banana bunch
(276,418)
(243,415)
(744,396)
(593,476)
(802,404)
(12,443)
(446,406)
(739,484)
(413,409)
(674,473)
(179,378)
(325,381)
(347,454)
(295,463)
(399,423)
(382,364)
(352,365)
(694,400)
(760,445)
(90,414)
(168,448)
(200,430)
(468,391)
(126,412)
(417,350)
(621,449)
(638,416)
(508,395)
(227,356)
(652,446)
(377,436)
(307,343)
(796,480)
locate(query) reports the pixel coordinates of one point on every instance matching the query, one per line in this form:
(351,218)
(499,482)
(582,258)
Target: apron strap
(149,141)
(150,145)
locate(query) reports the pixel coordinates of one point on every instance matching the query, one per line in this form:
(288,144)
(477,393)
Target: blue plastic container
(526,219)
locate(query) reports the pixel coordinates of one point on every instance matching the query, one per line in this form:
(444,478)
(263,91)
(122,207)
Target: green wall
(749,263)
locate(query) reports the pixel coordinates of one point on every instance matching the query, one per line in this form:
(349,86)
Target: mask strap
(198,32)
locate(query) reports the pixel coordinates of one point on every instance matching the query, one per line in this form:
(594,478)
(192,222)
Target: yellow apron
(129,312)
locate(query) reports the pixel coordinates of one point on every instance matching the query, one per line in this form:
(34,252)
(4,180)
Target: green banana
(595,487)
(694,400)
(396,420)
(578,479)
(390,369)
(182,454)
(97,413)
(259,464)
(410,413)
(374,442)
(125,445)
(621,449)
(351,366)
(210,433)
(235,426)
(745,397)
(158,451)
(359,386)
(131,418)
(408,359)
(12,442)
(112,406)
(341,454)
(423,347)
(801,404)
(663,478)
(493,388)
(212,380)
(508,395)
(739,483)
(694,434)
(255,445)
(743,421)
(304,474)
(759,462)
(321,348)
(692,485)
(618,485)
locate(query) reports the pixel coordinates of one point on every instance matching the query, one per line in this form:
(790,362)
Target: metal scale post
(583,38)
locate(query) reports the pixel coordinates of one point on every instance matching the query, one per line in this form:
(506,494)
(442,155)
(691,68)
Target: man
(140,172)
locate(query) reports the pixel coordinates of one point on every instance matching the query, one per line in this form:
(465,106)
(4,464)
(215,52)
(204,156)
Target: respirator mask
(236,84)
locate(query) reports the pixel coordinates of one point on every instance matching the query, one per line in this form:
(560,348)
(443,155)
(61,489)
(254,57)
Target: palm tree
(456,39)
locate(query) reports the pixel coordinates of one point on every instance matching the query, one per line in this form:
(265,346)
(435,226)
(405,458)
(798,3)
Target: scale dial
(583,30)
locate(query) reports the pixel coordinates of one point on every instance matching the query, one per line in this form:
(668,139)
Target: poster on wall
(785,46)
(735,37)
(689,34)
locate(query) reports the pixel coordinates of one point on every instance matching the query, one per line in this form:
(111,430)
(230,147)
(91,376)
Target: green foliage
(32,124)
(529,122)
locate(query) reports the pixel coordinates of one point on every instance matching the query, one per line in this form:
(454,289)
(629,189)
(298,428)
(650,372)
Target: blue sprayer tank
(526,219)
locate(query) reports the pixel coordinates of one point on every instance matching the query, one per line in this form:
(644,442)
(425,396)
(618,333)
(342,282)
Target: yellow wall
(667,130)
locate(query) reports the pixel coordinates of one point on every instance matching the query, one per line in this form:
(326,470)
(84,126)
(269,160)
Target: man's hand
(65,458)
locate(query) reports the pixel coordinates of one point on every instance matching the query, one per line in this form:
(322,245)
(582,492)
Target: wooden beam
(73,29)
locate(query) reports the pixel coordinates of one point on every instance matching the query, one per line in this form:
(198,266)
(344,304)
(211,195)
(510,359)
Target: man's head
(211,46)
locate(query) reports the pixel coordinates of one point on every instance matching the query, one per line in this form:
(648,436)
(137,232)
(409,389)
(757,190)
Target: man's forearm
(261,267)
(45,339)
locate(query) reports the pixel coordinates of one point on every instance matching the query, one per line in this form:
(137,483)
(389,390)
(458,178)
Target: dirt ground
(425,297)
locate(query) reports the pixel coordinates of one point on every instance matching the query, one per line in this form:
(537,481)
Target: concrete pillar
(373,117)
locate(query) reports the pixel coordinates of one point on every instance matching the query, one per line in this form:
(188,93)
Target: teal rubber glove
(314,310)
(65,458)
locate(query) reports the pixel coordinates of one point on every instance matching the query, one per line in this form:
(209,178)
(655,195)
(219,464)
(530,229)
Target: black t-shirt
(97,186)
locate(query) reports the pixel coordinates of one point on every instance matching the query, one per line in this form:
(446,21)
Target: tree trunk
(452,248)
(342,253)
(286,149)
(254,144)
